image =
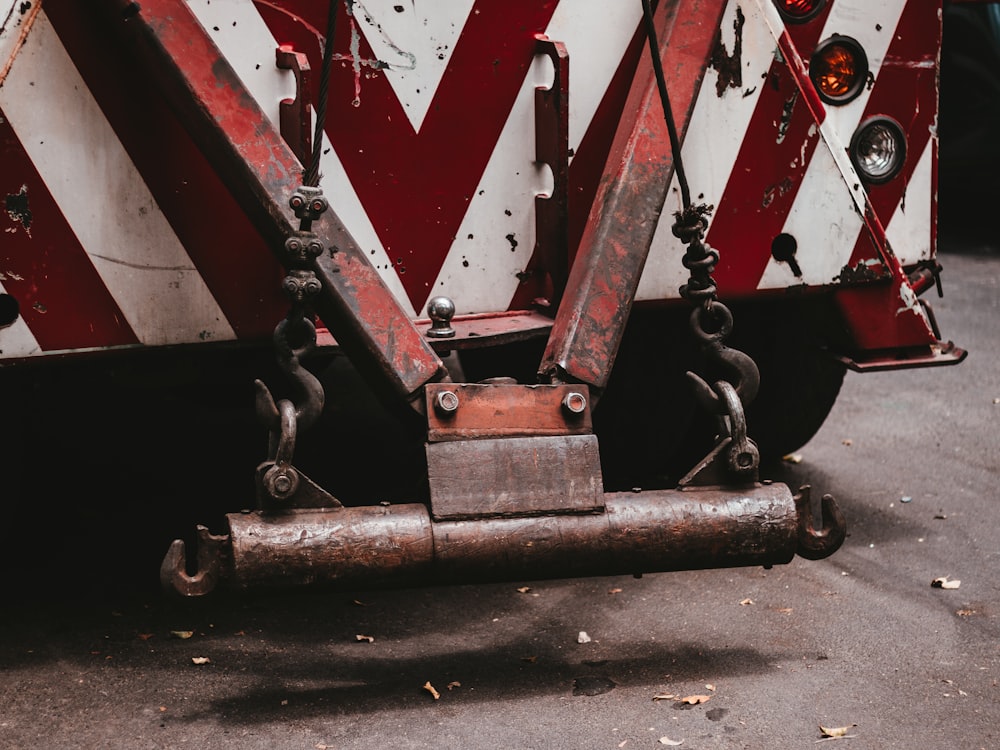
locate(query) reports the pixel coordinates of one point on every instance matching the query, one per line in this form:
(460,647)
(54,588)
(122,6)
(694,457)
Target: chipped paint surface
(133,249)
(863,271)
(729,66)
(16,205)
(469,231)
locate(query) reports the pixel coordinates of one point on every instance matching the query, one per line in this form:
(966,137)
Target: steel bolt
(281,482)
(446,402)
(575,402)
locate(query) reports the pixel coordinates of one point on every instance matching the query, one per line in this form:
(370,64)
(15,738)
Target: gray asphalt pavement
(860,642)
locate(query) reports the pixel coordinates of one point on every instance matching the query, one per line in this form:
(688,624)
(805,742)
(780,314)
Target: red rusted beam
(605,274)
(261,172)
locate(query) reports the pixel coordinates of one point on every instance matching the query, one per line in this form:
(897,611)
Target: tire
(651,429)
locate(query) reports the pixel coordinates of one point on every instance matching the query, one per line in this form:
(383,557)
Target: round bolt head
(575,402)
(446,402)
(281,482)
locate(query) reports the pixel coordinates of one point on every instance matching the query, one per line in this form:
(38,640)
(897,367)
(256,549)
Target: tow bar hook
(813,543)
(212,557)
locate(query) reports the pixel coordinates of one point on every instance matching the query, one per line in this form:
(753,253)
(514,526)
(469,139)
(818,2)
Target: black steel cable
(311,176)
(661,83)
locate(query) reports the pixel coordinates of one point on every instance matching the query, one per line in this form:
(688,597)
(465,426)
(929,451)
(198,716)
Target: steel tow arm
(257,166)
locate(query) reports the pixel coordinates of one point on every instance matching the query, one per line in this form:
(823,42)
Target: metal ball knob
(440,310)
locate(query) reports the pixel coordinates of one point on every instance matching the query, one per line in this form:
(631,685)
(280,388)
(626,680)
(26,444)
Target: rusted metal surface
(375,544)
(816,544)
(552,149)
(892,329)
(296,114)
(515,476)
(20,16)
(605,274)
(639,532)
(261,171)
(494,411)
(477,331)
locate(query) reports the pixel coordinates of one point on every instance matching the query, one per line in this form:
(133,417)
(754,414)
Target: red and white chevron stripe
(119,234)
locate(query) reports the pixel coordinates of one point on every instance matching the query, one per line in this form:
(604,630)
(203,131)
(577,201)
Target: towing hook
(309,405)
(212,556)
(743,374)
(738,367)
(816,544)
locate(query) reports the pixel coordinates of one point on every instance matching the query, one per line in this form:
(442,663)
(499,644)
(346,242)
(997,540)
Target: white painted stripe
(104,199)
(909,231)
(16,340)
(267,84)
(249,47)
(711,147)
(480,272)
(415,41)
(825,218)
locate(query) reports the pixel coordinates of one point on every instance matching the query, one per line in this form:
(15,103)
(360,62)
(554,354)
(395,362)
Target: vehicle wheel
(799,381)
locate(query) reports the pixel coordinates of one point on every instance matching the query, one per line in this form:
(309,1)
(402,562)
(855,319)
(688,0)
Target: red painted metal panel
(906,90)
(42,264)
(605,274)
(762,186)
(261,171)
(230,255)
(388,162)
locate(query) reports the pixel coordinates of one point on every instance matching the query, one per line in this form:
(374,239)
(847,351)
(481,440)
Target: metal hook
(311,401)
(740,369)
(212,560)
(281,480)
(816,544)
(744,377)
(743,456)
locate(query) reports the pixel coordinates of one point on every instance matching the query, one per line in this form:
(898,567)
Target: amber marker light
(838,69)
(799,11)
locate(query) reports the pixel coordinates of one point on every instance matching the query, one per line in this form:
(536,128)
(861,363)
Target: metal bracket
(296,114)
(552,149)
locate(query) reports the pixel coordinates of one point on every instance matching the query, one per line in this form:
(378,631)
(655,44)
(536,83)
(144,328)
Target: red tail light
(799,10)
(838,69)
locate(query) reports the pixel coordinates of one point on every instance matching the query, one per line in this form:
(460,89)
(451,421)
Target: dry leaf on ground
(369,638)
(694,700)
(672,743)
(200,660)
(430,689)
(665,697)
(182,634)
(836,731)
(524,589)
(943,583)
(745,602)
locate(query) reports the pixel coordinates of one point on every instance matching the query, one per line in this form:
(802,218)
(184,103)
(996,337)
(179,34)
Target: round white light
(878,149)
